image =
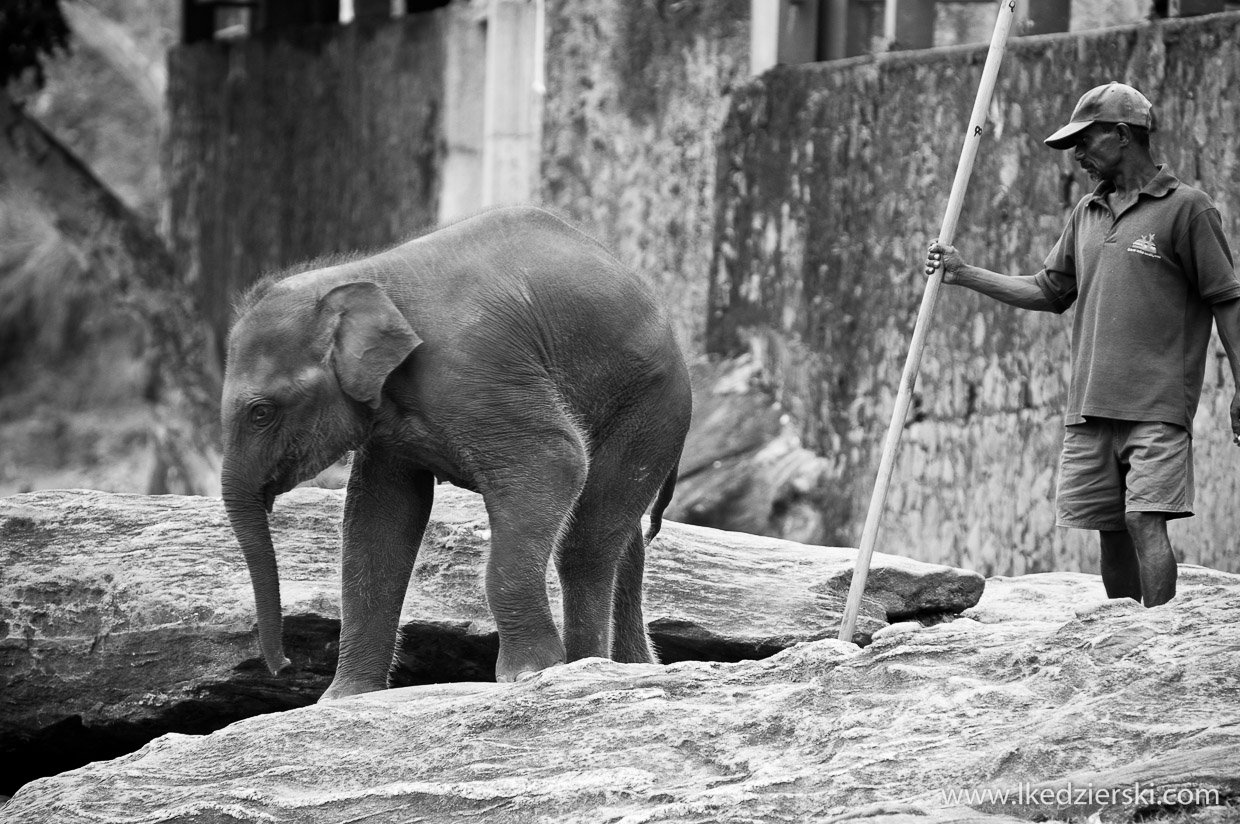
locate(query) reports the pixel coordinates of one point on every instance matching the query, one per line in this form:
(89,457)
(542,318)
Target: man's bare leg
(1148,531)
(1121,573)
(1138,562)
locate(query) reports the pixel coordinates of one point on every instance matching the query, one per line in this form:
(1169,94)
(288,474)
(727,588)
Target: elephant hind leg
(587,562)
(630,642)
(601,560)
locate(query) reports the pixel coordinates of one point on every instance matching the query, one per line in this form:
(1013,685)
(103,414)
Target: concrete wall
(321,140)
(832,181)
(801,202)
(637,93)
(331,139)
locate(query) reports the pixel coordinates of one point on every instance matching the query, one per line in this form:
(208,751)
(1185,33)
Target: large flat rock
(134,614)
(1046,701)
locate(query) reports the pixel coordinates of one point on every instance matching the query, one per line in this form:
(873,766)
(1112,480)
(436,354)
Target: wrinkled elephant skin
(508,354)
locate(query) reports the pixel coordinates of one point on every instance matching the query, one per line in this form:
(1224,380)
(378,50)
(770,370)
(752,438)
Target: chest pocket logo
(1144,245)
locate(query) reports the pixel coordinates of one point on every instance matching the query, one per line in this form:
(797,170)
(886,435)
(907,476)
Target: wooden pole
(869,534)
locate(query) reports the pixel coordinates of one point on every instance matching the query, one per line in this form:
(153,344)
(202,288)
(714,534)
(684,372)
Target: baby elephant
(508,354)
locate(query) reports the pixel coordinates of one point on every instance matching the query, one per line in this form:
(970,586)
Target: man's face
(1099,150)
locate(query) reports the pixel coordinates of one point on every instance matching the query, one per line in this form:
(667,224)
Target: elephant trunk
(247,512)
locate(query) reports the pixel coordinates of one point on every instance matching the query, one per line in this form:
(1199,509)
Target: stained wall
(831,182)
(315,141)
(637,93)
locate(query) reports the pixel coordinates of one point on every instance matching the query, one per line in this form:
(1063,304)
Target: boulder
(1045,701)
(744,467)
(128,616)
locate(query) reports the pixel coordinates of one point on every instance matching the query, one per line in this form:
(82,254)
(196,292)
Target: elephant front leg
(385,516)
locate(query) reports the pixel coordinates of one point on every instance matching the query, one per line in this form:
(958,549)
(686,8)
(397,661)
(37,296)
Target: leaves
(30,32)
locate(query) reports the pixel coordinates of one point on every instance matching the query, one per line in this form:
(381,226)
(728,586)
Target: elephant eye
(262,414)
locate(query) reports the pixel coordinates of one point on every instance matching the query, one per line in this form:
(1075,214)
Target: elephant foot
(523,675)
(281,664)
(343,689)
(634,649)
(525,663)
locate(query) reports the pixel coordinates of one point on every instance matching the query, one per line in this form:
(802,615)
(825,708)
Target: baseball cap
(1112,103)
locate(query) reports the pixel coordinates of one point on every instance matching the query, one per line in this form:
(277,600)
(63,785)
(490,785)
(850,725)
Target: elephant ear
(371,338)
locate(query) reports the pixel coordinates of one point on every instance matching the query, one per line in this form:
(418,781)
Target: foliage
(42,298)
(30,31)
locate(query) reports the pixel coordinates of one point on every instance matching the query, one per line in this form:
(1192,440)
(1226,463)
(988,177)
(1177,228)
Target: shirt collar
(1160,184)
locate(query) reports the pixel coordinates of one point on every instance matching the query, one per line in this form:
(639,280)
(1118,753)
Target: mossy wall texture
(318,141)
(832,181)
(787,215)
(637,93)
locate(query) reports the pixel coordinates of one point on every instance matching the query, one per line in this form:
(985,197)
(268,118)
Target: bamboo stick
(964,169)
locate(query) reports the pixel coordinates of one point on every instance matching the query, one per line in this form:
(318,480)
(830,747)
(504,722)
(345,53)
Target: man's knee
(1142,523)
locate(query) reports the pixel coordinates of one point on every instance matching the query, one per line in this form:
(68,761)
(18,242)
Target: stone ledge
(1082,692)
(126,615)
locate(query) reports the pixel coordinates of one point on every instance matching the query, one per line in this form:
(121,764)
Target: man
(1144,259)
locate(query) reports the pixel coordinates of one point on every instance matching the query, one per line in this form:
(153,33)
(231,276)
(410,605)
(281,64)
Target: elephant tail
(660,503)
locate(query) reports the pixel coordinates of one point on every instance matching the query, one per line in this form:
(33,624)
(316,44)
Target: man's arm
(1227,319)
(1020,291)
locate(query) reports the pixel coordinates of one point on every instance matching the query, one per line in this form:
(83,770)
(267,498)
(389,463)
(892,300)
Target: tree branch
(110,41)
(140,271)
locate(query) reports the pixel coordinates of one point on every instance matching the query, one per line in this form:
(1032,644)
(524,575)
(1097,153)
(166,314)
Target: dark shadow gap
(427,653)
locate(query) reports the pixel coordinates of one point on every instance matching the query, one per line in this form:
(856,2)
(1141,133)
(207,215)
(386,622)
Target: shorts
(1110,467)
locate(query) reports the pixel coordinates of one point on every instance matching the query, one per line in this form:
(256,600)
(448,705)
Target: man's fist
(946,257)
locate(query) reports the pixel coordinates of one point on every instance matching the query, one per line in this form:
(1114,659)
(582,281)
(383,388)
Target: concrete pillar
(833,29)
(464,103)
(782,31)
(909,24)
(512,122)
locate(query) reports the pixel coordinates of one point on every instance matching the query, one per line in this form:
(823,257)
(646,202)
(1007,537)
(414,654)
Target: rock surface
(1073,705)
(127,616)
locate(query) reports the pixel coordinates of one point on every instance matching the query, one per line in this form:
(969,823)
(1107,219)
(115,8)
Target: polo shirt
(1142,281)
